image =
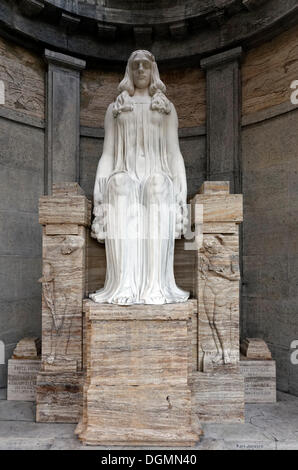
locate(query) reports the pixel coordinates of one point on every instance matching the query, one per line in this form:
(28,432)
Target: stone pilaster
(62,118)
(64,216)
(218,385)
(224,117)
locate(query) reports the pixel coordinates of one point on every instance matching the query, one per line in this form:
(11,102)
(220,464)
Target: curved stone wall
(183,32)
(269,151)
(270,181)
(268,71)
(21,185)
(23,74)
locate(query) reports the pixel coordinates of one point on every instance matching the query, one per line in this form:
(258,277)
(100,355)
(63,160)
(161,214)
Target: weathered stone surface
(255,348)
(215,187)
(63,290)
(21,383)
(63,287)
(269,426)
(21,184)
(61,210)
(221,208)
(23,75)
(217,283)
(67,189)
(58,397)
(218,397)
(15,410)
(270,238)
(27,348)
(259,380)
(138,392)
(267,72)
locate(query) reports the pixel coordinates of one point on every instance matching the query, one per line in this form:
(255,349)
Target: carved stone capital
(221,59)
(63,60)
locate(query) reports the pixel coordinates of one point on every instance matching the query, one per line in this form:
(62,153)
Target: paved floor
(273,426)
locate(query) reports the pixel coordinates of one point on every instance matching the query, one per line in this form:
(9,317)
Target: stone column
(64,216)
(224,117)
(63,118)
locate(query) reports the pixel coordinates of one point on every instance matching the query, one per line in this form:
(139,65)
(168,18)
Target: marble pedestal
(137,371)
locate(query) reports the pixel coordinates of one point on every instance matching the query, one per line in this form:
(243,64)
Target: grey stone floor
(271,427)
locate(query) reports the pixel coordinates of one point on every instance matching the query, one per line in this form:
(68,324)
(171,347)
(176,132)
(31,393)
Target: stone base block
(22,375)
(138,364)
(138,415)
(259,380)
(218,397)
(58,397)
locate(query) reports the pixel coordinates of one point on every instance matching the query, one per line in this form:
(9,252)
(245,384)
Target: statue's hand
(98,224)
(98,198)
(181,215)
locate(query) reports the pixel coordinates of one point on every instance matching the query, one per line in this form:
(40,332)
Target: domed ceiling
(176,31)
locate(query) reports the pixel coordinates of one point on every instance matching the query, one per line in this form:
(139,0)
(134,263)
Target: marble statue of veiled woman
(140,191)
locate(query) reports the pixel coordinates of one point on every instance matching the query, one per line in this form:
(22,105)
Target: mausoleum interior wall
(21,185)
(270,175)
(269,178)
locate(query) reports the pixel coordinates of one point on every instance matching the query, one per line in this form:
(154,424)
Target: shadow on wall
(2,363)
(2,353)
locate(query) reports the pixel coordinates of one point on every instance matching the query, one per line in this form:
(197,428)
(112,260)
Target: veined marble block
(22,370)
(217,385)
(259,380)
(218,276)
(138,366)
(21,382)
(59,397)
(255,348)
(27,348)
(64,216)
(218,397)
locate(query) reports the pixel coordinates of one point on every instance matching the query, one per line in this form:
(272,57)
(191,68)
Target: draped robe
(140,223)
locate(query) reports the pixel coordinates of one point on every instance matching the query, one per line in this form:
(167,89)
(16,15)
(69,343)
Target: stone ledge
(63,60)
(112,312)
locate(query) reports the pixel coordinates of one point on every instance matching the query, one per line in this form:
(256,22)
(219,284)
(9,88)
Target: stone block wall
(21,185)
(270,182)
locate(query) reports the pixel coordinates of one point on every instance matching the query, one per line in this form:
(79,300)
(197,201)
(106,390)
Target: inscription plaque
(22,375)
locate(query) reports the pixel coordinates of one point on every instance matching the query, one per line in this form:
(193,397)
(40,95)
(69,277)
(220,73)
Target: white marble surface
(268,426)
(140,191)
